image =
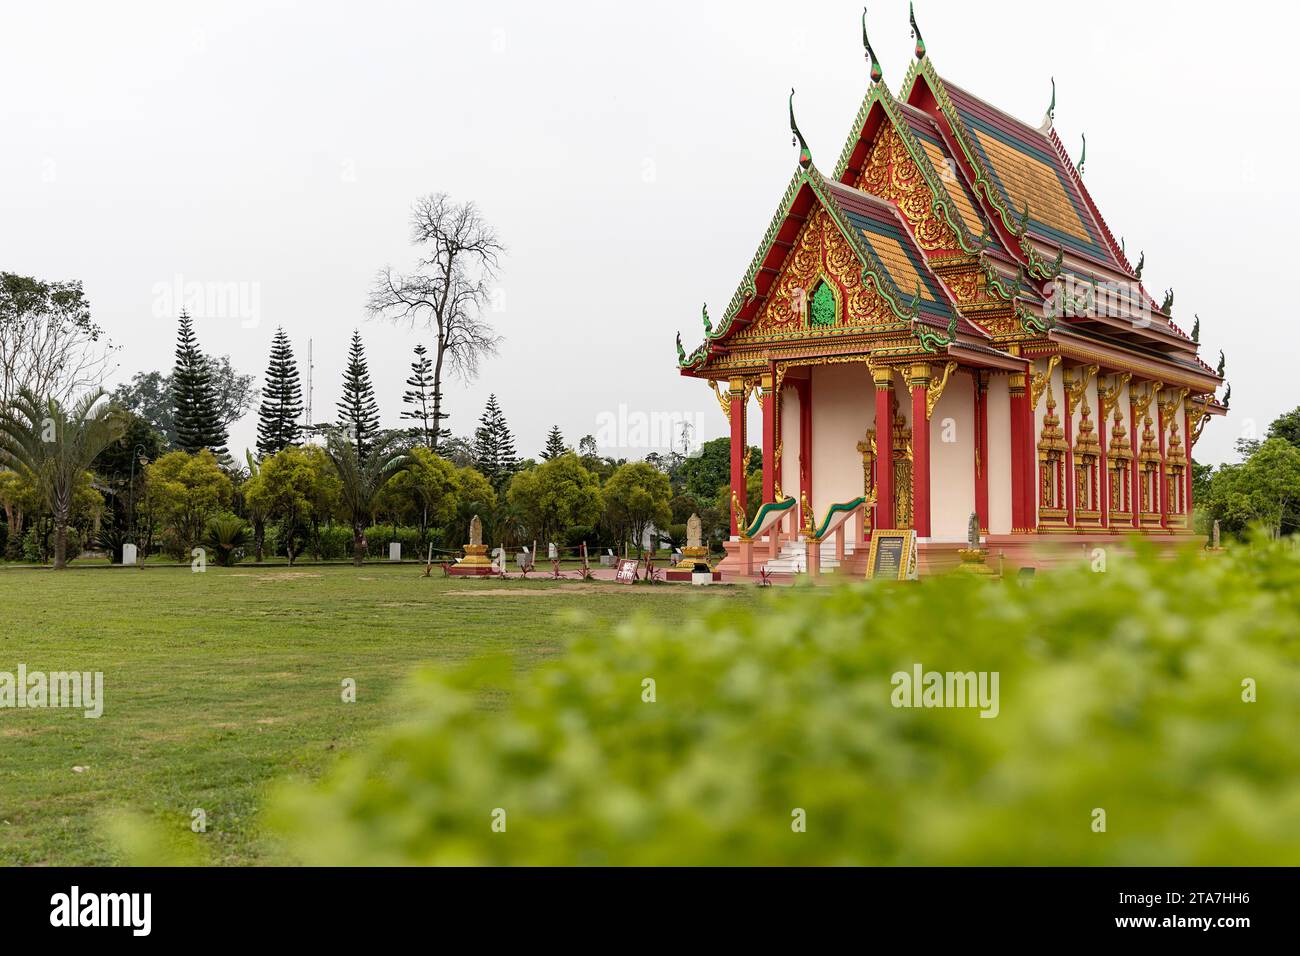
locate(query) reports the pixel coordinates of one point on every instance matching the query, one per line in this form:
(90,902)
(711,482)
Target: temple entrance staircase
(793,558)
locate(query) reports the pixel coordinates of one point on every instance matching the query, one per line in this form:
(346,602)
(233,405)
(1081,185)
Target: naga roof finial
(708,326)
(1083,158)
(1227,395)
(916,32)
(681,352)
(1223,362)
(1196,329)
(1142,261)
(1051,107)
(877,74)
(805,155)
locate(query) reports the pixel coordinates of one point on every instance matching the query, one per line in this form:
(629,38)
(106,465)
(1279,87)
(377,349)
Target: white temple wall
(843,400)
(789,476)
(999,455)
(952,460)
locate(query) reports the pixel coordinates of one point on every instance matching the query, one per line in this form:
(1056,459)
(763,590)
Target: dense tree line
(149,465)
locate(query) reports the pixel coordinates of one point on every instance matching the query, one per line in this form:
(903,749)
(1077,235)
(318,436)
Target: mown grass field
(217,684)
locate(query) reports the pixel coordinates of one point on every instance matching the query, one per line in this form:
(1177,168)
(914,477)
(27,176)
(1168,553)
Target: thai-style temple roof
(886,235)
(977,231)
(1029,168)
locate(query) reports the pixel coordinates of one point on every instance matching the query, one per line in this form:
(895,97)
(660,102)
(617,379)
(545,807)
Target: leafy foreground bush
(1119,691)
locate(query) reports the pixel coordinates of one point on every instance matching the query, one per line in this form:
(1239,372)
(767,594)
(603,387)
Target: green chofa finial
(1227,395)
(877,74)
(681,352)
(1051,107)
(1142,261)
(805,155)
(708,326)
(1196,329)
(1083,158)
(916,32)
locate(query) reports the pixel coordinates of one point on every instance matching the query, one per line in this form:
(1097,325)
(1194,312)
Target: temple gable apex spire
(916,32)
(877,74)
(805,154)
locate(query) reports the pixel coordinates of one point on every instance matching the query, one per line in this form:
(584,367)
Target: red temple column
(736,394)
(884,379)
(919,380)
(1016,387)
(769,438)
(1187,472)
(981,381)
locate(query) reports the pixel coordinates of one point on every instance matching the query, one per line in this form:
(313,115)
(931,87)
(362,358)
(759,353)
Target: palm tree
(56,446)
(363,478)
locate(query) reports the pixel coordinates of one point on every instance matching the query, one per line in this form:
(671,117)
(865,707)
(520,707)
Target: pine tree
(358,410)
(277,419)
(425,401)
(554,444)
(494,445)
(198,425)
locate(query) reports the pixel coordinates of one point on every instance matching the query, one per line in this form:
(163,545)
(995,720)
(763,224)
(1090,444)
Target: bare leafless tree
(49,345)
(448,291)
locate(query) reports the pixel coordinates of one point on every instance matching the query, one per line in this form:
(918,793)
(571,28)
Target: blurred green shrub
(1120,691)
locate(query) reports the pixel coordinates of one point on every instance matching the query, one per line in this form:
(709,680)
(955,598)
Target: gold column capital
(920,374)
(883,376)
(736,388)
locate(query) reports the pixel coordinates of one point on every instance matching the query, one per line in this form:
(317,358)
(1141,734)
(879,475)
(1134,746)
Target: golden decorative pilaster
(934,390)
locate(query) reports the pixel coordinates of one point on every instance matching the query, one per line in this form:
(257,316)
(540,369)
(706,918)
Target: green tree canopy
(185,491)
(56,445)
(362,478)
(1264,489)
(637,497)
(295,486)
(554,496)
(358,410)
(277,419)
(1287,427)
(494,446)
(554,444)
(196,415)
(703,474)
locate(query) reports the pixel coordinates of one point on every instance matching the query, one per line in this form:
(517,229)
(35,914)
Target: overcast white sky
(631,156)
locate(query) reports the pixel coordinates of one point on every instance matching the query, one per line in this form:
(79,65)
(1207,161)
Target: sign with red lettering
(626,571)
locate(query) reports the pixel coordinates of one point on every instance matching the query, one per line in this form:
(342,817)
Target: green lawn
(218,683)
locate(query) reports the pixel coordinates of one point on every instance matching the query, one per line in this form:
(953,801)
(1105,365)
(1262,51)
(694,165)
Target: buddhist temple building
(944,325)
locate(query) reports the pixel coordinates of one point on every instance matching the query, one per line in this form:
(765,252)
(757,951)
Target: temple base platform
(1006,554)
